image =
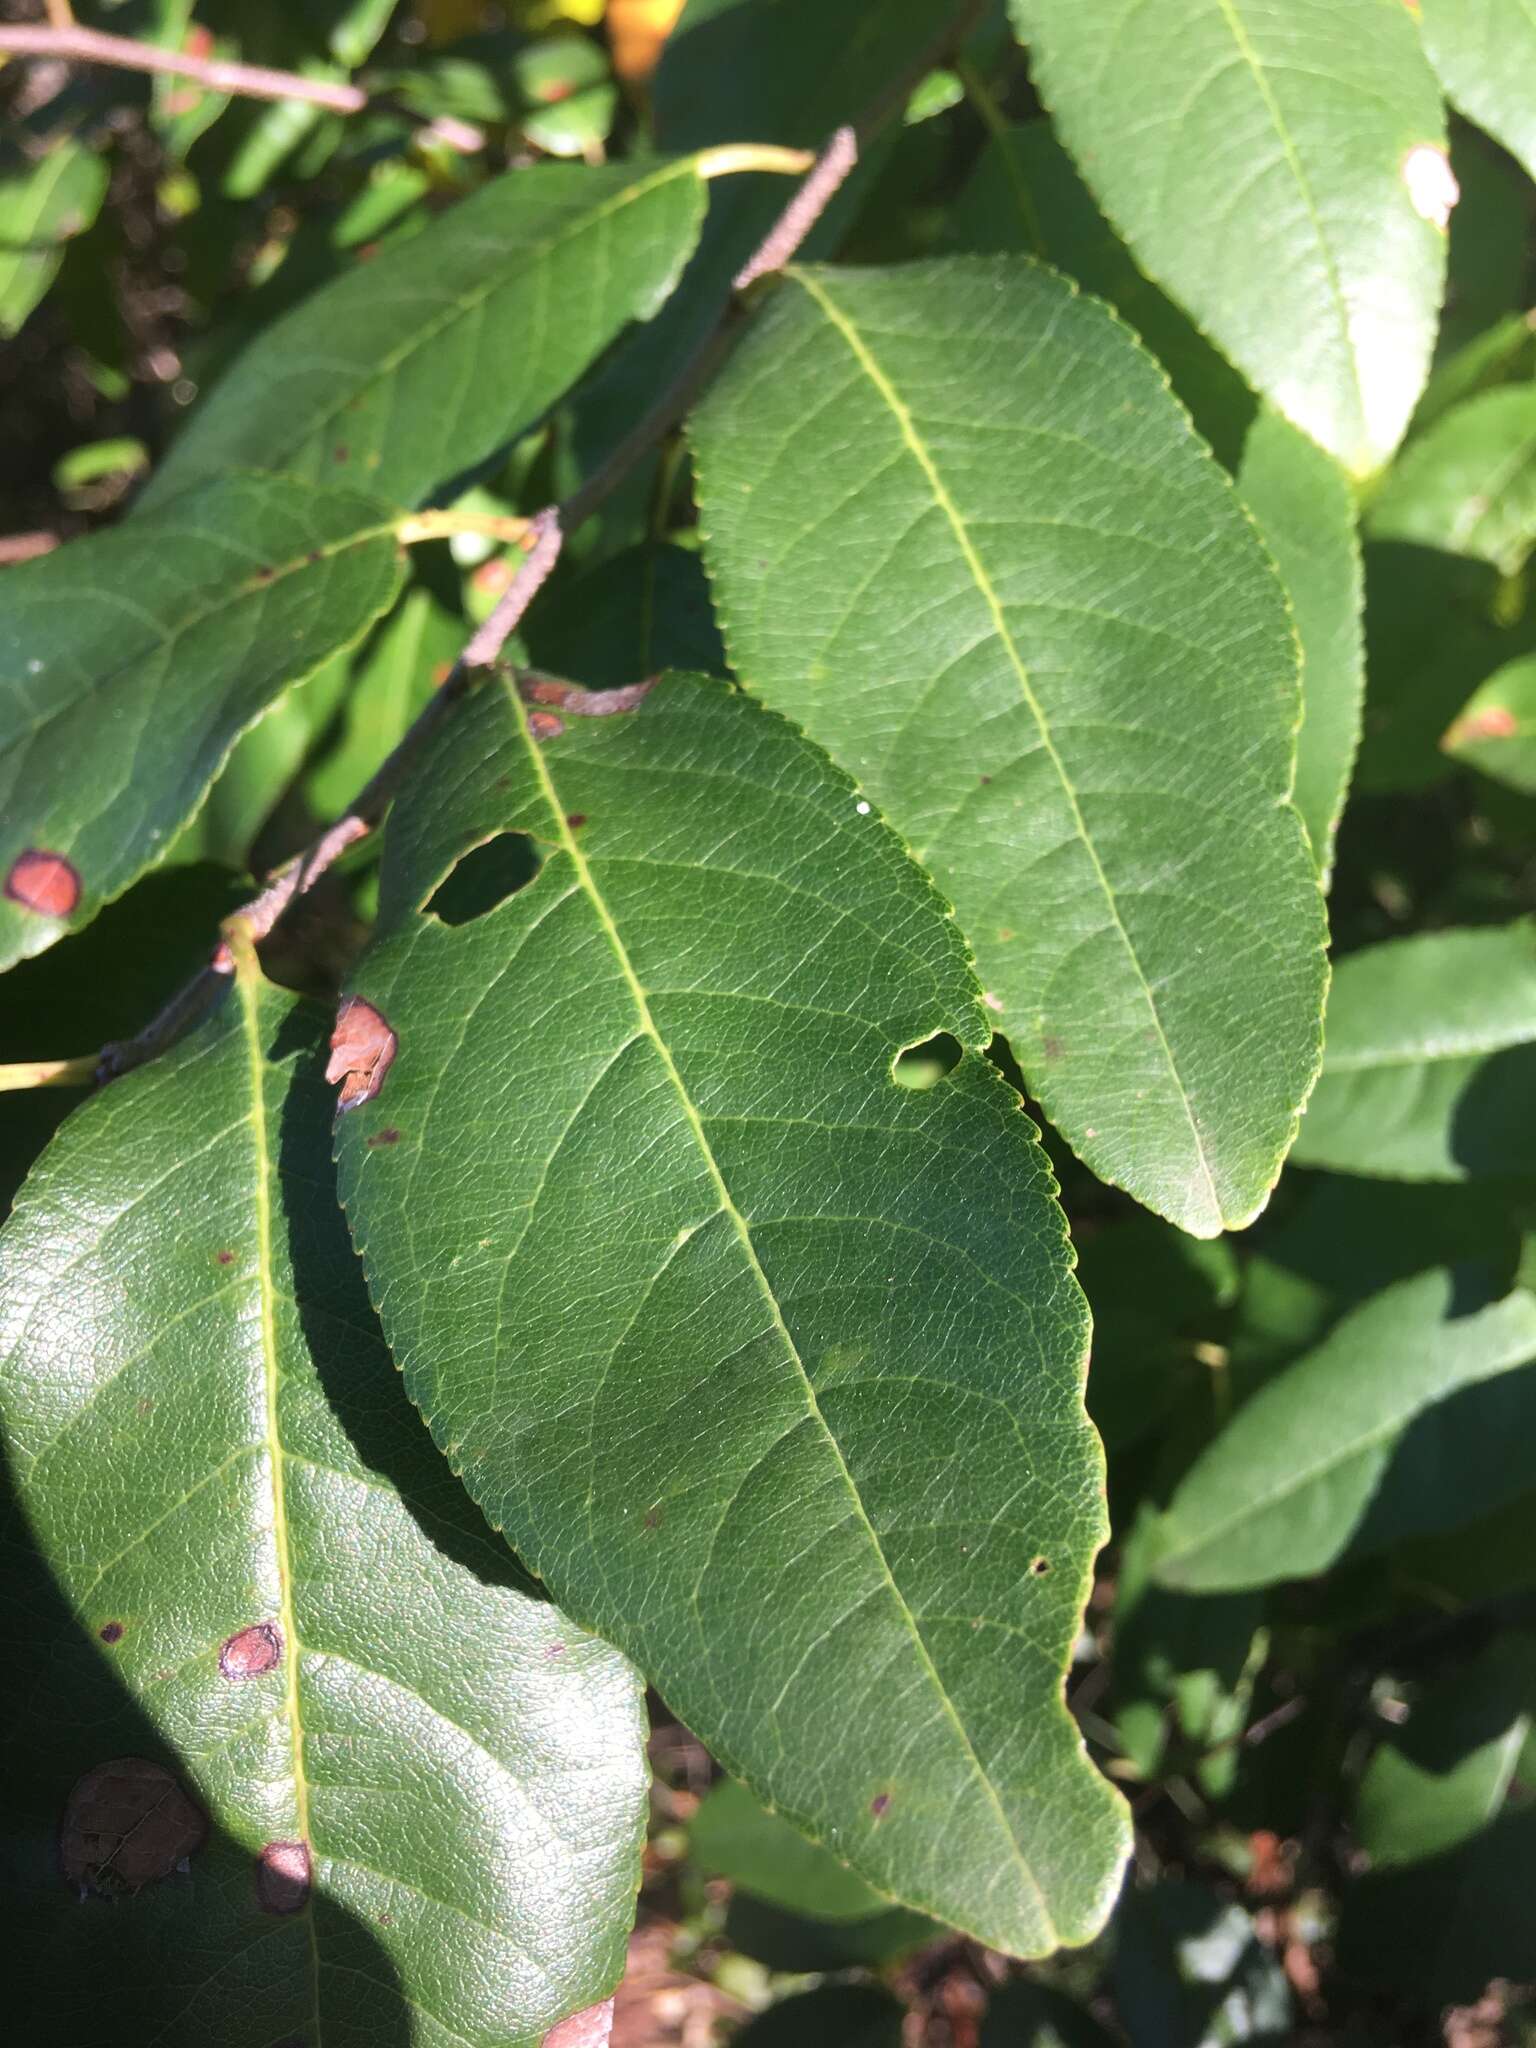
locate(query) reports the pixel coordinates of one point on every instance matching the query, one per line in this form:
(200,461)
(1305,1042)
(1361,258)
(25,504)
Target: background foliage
(1116,526)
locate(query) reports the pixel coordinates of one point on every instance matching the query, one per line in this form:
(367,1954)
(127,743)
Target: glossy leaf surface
(1485,54)
(131,661)
(771,1368)
(960,532)
(1362,1442)
(1305,511)
(1256,157)
(1431,1065)
(308,1623)
(423,361)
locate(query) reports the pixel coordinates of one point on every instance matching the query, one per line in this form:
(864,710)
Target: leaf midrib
(246,994)
(461,307)
(638,995)
(865,359)
(1250,57)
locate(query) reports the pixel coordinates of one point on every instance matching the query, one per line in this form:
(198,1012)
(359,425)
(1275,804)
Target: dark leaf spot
(1040,1567)
(577,702)
(486,876)
(111,1632)
(576,820)
(389,1136)
(43,882)
(225,1258)
(127,1824)
(265,573)
(282,1877)
(314,555)
(879,1803)
(362,1052)
(1051,1047)
(341,452)
(651,1519)
(984,780)
(251,1651)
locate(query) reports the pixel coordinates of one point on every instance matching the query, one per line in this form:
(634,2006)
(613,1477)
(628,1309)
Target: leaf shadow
(188,1960)
(1495,1114)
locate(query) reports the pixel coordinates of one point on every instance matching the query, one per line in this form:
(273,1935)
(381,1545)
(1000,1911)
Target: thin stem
(60,13)
(49,1074)
(75,45)
(727,158)
(984,100)
(417,527)
(778,247)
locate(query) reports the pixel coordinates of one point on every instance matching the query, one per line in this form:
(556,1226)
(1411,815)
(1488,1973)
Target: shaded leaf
(1155,1294)
(1443,1775)
(1441,1930)
(310,1624)
(1189,1968)
(42,205)
(135,658)
(1280,172)
(723,1323)
(1430,1071)
(1495,730)
(415,366)
(1027,2015)
(1406,1419)
(732,1836)
(960,532)
(792,1943)
(1485,54)
(1469,484)
(832,2016)
(1306,513)
(646,609)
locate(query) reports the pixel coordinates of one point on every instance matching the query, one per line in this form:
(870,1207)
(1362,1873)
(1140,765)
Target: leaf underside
(769,1366)
(960,532)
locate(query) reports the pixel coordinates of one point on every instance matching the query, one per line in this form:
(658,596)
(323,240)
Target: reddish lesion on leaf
(362,1052)
(282,1877)
(127,1824)
(1497,722)
(42,882)
(251,1651)
(576,702)
(590,2028)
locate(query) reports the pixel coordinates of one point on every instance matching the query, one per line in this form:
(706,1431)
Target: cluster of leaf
(1130,473)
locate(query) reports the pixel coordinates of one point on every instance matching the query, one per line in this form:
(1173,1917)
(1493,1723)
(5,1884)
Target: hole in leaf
(485,877)
(924,1066)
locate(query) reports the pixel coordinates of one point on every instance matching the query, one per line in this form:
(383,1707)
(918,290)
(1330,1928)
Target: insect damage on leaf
(252,1651)
(581,703)
(282,1877)
(362,1051)
(45,883)
(127,1824)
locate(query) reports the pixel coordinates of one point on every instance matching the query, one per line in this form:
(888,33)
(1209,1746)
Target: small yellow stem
(444,524)
(727,158)
(50,1073)
(60,13)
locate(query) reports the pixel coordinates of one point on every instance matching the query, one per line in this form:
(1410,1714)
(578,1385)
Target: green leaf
(732,1836)
(1189,1968)
(770,1367)
(1306,512)
(392,679)
(134,659)
(42,205)
(1278,171)
(310,1626)
(1431,1066)
(1440,1931)
(1495,730)
(1469,484)
(1362,1442)
(415,366)
(1442,1776)
(1485,54)
(831,2016)
(961,533)
(1026,196)
(790,1944)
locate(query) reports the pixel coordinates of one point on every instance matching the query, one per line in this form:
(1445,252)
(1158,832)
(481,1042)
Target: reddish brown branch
(783,239)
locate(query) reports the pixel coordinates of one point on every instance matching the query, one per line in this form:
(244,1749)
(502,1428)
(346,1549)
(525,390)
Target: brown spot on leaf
(1040,1567)
(651,1519)
(225,1258)
(43,882)
(362,1052)
(341,452)
(265,573)
(251,1651)
(127,1824)
(591,2028)
(544,725)
(111,1632)
(879,1803)
(1498,722)
(579,703)
(576,820)
(282,1877)
(314,555)
(1051,1046)
(388,1136)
